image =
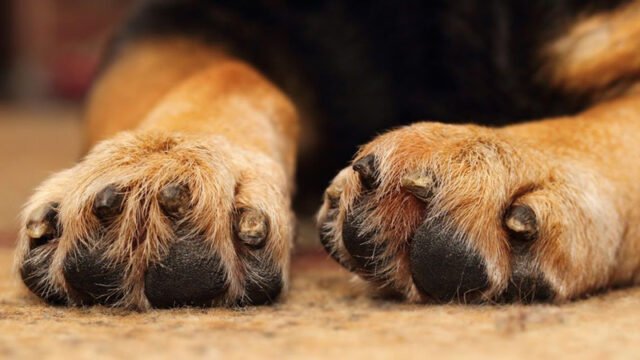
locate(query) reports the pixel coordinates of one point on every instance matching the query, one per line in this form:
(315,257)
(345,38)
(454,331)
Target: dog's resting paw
(435,212)
(157,220)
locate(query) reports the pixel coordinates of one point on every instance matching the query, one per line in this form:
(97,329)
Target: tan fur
(196,117)
(176,111)
(598,52)
(144,72)
(578,174)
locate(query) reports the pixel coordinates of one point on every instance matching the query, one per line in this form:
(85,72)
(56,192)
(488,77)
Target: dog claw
(174,200)
(418,184)
(366,169)
(252,228)
(333,197)
(44,222)
(108,203)
(521,221)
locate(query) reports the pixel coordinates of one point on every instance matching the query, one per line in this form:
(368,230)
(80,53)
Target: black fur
(361,68)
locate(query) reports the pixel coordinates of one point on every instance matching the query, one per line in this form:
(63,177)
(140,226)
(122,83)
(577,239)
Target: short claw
(418,184)
(43,226)
(333,197)
(252,227)
(108,203)
(44,222)
(174,200)
(366,169)
(521,222)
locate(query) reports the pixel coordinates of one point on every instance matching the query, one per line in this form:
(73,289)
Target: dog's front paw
(157,220)
(441,212)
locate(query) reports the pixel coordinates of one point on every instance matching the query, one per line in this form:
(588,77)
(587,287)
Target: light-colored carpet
(35,141)
(323,316)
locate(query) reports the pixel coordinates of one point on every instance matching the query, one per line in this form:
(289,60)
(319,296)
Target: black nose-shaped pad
(189,275)
(325,238)
(443,267)
(265,288)
(366,254)
(527,289)
(527,283)
(93,279)
(34,271)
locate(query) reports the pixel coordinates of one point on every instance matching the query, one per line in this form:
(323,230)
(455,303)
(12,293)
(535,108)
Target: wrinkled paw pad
(91,278)
(444,267)
(189,273)
(186,276)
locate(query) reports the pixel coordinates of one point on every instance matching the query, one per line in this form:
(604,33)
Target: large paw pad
(143,224)
(446,213)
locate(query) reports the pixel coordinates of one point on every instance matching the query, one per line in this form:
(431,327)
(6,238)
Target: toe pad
(189,275)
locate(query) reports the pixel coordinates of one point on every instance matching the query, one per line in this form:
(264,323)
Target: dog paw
(157,220)
(442,213)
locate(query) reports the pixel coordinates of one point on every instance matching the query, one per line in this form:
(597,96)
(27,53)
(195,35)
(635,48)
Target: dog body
(354,72)
(203,108)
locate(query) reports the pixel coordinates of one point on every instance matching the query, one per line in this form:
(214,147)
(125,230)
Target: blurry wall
(52,47)
(49,52)
(4,44)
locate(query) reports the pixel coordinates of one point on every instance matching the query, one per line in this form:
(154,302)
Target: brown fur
(572,172)
(597,53)
(192,114)
(189,115)
(578,174)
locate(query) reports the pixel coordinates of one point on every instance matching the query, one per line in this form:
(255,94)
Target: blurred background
(49,53)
